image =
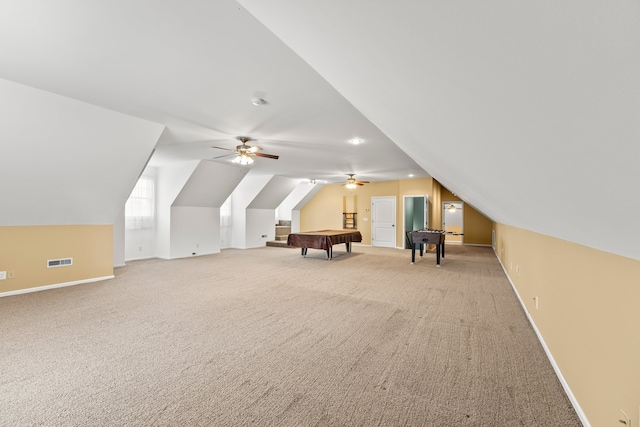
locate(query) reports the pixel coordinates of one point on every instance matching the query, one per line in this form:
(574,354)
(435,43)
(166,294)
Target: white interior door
(383,221)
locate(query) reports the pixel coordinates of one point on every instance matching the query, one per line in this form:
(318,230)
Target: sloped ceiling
(527,110)
(209,185)
(66,162)
(194,66)
(273,193)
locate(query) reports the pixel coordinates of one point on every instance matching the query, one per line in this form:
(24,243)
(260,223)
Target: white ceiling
(195,66)
(527,110)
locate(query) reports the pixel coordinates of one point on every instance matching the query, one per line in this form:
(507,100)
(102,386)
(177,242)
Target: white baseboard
(196,255)
(136,259)
(556,368)
(57,285)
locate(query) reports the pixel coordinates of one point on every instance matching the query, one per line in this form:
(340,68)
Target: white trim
(555,366)
(475,244)
(58,285)
(137,259)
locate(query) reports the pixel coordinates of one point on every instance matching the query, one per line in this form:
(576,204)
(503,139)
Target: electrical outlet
(11,274)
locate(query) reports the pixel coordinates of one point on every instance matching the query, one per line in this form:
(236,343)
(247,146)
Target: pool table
(323,239)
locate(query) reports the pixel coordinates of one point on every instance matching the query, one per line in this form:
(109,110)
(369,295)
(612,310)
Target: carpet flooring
(265,337)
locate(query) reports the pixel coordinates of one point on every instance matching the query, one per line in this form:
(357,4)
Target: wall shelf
(349,220)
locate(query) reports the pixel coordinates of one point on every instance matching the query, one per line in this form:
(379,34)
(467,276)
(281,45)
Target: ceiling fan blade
(222,148)
(224,155)
(269,156)
(362,182)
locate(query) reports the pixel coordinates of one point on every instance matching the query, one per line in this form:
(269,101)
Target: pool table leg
(303,251)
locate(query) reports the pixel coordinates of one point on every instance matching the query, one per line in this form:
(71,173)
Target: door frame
(455,202)
(425,211)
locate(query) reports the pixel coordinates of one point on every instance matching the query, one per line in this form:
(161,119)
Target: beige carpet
(265,337)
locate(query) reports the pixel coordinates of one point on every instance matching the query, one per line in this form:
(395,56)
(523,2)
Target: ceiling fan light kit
(244,153)
(352,182)
(242,159)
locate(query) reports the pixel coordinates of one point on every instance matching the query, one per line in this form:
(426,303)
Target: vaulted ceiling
(527,110)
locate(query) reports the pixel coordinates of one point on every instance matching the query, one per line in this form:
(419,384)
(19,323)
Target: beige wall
(25,251)
(324,211)
(588,316)
(477,227)
(436,206)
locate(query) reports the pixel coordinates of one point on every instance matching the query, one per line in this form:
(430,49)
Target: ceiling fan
(352,182)
(244,153)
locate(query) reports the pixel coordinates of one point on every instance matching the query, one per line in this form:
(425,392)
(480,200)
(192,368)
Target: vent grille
(63,262)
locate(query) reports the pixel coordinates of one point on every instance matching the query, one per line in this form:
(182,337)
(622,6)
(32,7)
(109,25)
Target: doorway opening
(453,221)
(415,215)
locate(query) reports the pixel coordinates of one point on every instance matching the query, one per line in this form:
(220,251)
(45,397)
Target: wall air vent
(59,262)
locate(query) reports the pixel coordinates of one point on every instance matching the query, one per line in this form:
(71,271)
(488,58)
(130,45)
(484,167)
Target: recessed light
(258,101)
(410,175)
(356,141)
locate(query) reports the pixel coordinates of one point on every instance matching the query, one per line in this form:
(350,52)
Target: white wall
(283,212)
(295,221)
(67,162)
(226,224)
(242,196)
(260,222)
(295,210)
(119,241)
(170,180)
(194,231)
(140,244)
